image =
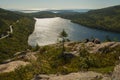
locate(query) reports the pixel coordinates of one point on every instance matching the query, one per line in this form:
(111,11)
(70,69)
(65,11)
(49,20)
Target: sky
(57,4)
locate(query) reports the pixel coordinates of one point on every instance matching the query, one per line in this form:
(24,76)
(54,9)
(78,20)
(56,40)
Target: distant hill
(106,18)
(57,13)
(43,14)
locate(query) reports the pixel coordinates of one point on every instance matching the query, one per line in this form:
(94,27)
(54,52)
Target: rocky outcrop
(20,59)
(71,76)
(103,46)
(11,66)
(90,46)
(74,76)
(116,73)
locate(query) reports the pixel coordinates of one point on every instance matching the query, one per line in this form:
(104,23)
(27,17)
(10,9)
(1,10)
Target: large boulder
(101,48)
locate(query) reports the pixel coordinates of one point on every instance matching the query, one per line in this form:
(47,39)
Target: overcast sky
(57,4)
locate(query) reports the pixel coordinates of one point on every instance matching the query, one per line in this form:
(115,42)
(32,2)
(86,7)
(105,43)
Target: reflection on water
(47,31)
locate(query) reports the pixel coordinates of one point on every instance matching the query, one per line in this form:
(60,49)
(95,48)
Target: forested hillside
(107,19)
(6,19)
(17,41)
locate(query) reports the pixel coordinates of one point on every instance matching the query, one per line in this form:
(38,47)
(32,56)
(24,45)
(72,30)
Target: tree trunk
(63,48)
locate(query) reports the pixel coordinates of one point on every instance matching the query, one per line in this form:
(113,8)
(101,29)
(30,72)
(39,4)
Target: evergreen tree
(63,35)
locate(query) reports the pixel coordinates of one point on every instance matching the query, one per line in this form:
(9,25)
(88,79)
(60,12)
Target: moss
(103,70)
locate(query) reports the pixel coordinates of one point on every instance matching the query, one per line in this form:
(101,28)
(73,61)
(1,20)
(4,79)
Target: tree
(63,35)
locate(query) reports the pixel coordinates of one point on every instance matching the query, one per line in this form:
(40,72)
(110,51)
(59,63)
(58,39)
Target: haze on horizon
(57,4)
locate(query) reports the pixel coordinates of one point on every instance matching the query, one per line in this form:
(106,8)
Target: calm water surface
(47,31)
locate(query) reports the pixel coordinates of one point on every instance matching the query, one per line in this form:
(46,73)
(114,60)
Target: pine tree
(63,35)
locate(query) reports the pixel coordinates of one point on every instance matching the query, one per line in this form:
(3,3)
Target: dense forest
(21,30)
(107,19)
(6,19)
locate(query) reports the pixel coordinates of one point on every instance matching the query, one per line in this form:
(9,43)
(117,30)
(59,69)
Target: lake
(47,31)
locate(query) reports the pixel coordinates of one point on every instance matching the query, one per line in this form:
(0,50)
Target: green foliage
(7,18)
(50,62)
(63,34)
(22,73)
(106,19)
(35,48)
(103,70)
(17,41)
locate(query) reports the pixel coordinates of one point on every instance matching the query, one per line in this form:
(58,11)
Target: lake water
(47,31)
